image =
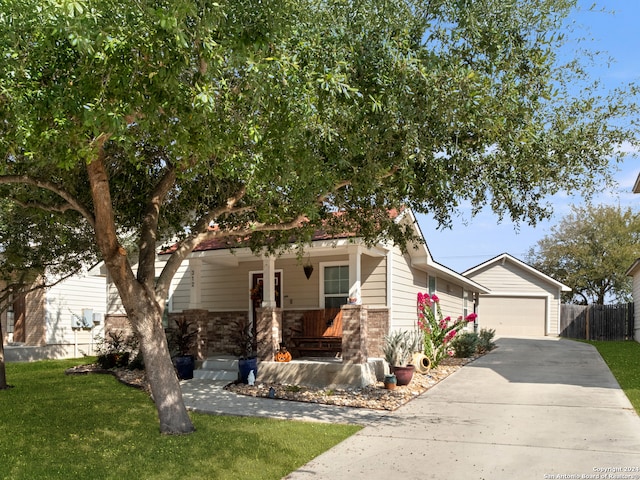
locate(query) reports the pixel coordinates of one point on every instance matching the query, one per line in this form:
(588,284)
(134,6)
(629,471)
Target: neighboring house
(522,300)
(57,322)
(634,272)
(375,287)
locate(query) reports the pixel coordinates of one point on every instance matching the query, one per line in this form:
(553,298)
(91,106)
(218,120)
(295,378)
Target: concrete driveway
(532,409)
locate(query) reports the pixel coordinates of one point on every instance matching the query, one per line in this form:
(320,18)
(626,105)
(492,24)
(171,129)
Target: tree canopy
(159,119)
(590,251)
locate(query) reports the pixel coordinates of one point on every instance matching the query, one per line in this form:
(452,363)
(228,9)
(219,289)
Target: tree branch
(186,246)
(149,227)
(72,203)
(114,254)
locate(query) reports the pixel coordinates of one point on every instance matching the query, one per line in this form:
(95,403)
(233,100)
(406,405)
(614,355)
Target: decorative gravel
(374,396)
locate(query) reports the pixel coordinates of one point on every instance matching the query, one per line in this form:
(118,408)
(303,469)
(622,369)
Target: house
(374,288)
(522,300)
(634,272)
(57,322)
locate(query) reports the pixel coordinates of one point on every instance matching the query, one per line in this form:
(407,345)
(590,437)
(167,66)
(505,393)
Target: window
(432,285)
(10,317)
(336,286)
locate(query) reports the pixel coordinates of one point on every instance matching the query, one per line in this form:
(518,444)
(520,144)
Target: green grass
(90,426)
(623,359)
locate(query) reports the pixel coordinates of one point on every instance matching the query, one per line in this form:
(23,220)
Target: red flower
(471,317)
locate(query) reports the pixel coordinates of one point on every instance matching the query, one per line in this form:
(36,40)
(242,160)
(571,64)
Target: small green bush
(485,341)
(465,344)
(116,349)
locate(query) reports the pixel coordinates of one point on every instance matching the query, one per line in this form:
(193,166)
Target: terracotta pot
(421,362)
(404,374)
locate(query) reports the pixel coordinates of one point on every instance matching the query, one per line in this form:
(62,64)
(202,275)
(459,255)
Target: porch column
(355,274)
(354,334)
(195,272)
(268,331)
(268,279)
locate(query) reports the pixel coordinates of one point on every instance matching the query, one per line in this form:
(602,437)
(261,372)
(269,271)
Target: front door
(257,296)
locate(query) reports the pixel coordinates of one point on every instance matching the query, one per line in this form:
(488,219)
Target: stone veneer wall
(377,328)
(34,318)
(216,330)
(117,323)
(291,324)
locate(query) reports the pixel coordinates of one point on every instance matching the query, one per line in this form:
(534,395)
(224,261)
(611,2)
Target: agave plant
(399,347)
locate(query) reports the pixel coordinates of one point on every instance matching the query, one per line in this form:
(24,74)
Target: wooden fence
(597,322)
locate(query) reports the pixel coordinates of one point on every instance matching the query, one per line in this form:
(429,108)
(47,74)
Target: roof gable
(501,259)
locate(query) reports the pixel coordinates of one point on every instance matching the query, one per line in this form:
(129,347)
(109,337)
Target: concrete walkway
(532,409)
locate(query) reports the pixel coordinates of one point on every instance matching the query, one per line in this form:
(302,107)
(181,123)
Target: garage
(522,301)
(513,316)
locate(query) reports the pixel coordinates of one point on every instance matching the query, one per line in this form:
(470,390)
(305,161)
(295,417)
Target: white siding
(374,281)
(451,298)
(406,283)
(68,300)
(636,300)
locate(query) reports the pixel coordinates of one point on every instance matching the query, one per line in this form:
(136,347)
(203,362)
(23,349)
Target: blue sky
(472,241)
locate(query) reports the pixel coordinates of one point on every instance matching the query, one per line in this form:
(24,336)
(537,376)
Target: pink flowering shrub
(437,332)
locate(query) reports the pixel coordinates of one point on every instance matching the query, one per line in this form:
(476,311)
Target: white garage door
(513,316)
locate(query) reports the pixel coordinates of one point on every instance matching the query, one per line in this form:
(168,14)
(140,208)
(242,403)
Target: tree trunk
(165,387)
(3,371)
(140,302)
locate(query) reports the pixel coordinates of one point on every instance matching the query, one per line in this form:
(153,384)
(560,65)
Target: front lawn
(623,359)
(91,426)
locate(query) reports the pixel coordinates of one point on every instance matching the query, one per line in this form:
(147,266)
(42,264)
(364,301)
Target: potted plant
(398,352)
(182,339)
(390,381)
(244,344)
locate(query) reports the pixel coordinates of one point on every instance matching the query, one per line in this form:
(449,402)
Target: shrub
(465,345)
(485,340)
(116,349)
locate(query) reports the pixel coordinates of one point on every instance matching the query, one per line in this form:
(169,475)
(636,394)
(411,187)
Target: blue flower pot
(245,365)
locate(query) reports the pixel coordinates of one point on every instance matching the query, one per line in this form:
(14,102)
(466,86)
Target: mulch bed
(131,378)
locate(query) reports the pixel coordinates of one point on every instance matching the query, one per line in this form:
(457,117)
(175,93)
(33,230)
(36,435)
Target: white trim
(389,289)
(251,273)
(321,266)
(505,256)
(195,290)
(355,274)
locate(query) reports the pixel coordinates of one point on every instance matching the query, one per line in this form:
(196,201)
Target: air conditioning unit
(87,317)
(98,318)
(76,322)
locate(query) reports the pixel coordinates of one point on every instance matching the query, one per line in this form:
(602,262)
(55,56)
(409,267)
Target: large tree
(163,118)
(590,250)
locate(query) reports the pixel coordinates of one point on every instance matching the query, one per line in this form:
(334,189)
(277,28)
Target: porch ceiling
(324,248)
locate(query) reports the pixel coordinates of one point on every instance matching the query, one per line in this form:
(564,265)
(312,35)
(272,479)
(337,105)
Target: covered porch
(357,364)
